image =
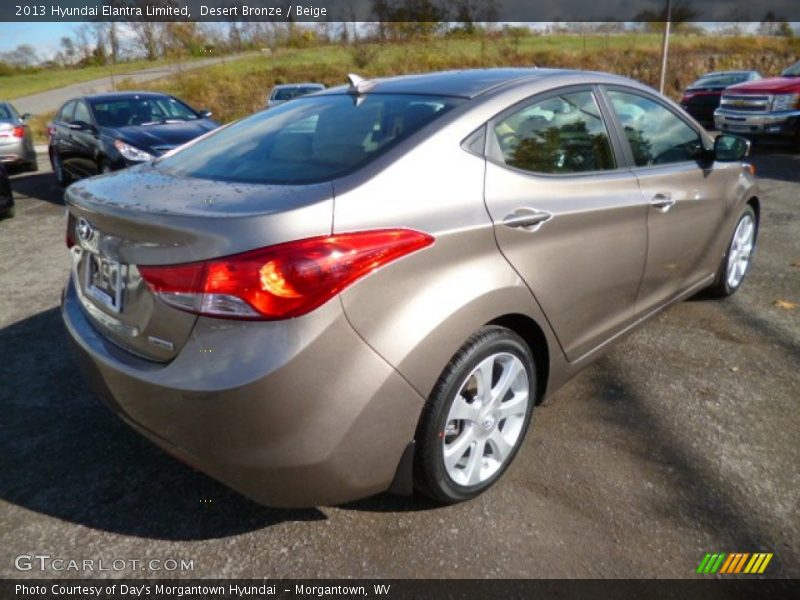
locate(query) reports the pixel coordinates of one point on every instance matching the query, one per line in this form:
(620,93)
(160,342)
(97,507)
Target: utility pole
(665,47)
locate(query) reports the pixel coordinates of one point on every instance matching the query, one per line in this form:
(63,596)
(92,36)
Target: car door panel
(681,238)
(585,260)
(683,189)
(84,142)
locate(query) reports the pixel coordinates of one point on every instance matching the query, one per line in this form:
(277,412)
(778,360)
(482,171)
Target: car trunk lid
(144,217)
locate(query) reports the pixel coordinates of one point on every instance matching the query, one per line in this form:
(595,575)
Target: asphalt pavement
(683,440)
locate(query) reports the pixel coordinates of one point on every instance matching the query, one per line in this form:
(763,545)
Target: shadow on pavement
(38,186)
(704,498)
(62,453)
(776,161)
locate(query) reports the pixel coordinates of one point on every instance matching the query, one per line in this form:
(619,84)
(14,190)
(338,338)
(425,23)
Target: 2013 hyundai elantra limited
(372,287)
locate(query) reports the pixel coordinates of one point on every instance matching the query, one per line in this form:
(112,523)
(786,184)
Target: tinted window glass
(5,113)
(793,71)
(82,113)
(308,140)
(136,111)
(657,135)
(721,79)
(67,112)
(293,92)
(562,134)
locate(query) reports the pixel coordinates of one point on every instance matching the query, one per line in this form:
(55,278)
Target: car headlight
(785,102)
(131,153)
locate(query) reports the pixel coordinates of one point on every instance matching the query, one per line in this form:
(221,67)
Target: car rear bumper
(786,124)
(13,152)
(300,412)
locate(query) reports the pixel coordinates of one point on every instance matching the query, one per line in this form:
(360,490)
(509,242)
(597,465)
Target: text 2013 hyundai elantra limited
(375,285)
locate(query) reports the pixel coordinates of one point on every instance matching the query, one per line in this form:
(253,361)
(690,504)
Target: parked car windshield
(294,92)
(148,110)
(793,71)
(720,79)
(309,140)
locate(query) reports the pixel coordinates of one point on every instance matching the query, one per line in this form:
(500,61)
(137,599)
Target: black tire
(33,166)
(721,288)
(103,167)
(8,214)
(62,177)
(430,474)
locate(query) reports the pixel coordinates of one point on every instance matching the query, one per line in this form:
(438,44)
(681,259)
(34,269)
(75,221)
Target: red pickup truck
(768,107)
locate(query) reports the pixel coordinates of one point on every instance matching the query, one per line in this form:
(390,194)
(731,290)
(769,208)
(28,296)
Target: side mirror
(82,126)
(205,114)
(26,117)
(730,148)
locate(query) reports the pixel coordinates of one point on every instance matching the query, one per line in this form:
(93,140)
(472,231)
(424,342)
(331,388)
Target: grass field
(15,86)
(232,91)
(239,88)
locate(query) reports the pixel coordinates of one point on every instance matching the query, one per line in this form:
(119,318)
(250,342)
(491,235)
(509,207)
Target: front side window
(82,113)
(309,140)
(562,134)
(67,112)
(657,136)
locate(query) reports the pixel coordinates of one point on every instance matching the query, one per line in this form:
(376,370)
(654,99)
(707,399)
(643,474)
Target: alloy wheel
(740,251)
(486,419)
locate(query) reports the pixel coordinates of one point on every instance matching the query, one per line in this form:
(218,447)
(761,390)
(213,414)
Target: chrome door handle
(527,219)
(662,202)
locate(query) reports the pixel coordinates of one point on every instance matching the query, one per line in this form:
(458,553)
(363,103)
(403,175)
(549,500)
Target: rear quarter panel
(417,311)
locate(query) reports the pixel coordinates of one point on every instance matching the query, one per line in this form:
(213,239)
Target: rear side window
(5,113)
(561,134)
(308,140)
(656,135)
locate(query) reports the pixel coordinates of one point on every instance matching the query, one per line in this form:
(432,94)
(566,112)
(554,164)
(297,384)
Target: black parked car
(702,98)
(108,132)
(6,197)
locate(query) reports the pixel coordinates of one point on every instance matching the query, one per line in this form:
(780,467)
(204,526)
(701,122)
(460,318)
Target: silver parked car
(373,287)
(289,91)
(16,139)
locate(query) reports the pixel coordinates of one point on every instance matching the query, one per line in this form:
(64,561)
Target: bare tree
(83,42)
(148,34)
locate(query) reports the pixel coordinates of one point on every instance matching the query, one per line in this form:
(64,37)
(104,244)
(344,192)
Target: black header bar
(522,11)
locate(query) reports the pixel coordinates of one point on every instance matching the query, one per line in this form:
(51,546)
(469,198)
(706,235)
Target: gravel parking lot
(685,439)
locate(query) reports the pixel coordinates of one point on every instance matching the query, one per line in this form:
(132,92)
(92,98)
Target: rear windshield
(5,112)
(293,92)
(151,110)
(309,140)
(722,79)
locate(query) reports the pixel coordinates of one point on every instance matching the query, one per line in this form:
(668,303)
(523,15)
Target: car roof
(716,73)
(110,96)
(467,83)
(283,86)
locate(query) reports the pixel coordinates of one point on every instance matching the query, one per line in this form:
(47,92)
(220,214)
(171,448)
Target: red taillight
(278,282)
(18,131)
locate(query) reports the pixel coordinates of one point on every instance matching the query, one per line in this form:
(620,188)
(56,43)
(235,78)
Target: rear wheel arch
(755,203)
(533,335)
